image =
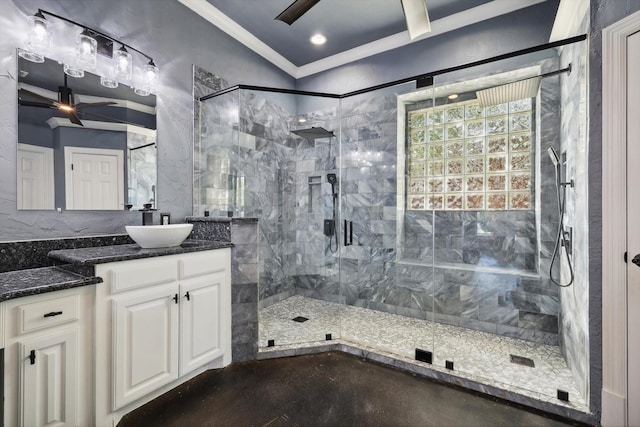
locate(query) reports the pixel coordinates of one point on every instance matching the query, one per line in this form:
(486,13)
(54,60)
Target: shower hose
(560,237)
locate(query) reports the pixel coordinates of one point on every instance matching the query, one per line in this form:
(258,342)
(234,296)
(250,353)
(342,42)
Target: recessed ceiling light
(318,39)
(453,96)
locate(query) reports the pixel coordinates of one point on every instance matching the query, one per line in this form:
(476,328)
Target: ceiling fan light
(38,38)
(122,64)
(417,17)
(66,108)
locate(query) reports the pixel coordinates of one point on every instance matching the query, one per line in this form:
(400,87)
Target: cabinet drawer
(137,274)
(208,262)
(45,314)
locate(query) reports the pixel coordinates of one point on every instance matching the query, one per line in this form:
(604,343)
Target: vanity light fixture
(38,38)
(88,44)
(318,39)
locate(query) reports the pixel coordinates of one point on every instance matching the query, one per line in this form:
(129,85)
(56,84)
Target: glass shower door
(295,156)
(385,270)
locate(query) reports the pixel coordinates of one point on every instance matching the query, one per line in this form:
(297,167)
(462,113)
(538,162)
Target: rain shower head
(313,133)
(514,91)
(554,156)
(527,88)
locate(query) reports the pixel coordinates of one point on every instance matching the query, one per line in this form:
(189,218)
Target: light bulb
(123,64)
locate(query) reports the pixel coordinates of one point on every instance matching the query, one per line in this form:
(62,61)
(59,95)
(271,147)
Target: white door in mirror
(159,236)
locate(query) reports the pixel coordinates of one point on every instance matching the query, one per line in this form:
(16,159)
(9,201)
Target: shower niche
(408,221)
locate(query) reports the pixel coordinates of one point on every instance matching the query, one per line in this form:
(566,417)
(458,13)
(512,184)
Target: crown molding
(55,122)
(450,23)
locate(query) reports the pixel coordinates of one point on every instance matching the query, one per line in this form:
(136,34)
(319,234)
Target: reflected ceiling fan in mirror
(65,102)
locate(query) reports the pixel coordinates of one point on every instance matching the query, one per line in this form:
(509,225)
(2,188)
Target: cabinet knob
(187,296)
(175,298)
(32,357)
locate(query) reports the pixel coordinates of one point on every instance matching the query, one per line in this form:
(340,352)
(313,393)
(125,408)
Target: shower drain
(300,319)
(521,360)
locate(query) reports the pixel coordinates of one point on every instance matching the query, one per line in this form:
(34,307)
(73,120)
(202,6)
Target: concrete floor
(327,389)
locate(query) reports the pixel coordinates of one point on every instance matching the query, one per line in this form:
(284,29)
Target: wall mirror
(100,155)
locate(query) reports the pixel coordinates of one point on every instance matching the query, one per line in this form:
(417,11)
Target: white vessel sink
(159,236)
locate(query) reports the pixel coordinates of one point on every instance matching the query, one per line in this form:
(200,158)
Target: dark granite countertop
(33,281)
(104,254)
(220,219)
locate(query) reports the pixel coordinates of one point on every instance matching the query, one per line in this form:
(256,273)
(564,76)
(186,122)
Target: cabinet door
(201,310)
(50,377)
(145,342)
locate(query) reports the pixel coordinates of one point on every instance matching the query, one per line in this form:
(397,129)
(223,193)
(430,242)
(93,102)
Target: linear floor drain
(520,360)
(300,319)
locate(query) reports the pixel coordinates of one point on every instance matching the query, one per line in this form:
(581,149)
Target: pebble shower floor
(477,356)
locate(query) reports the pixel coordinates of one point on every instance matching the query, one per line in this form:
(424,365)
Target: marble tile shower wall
(286,187)
(263,157)
(394,275)
(574,320)
(212,144)
(314,265)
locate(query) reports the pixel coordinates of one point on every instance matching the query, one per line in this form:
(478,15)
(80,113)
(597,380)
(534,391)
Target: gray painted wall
(176,38)
(603,13)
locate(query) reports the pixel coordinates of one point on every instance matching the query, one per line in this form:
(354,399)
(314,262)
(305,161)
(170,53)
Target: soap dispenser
(147,217)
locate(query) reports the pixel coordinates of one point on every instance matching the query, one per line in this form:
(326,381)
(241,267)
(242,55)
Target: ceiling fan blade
(35,104)
(73,117)
(36,95)
(113,119)
(82,105)
(296,10)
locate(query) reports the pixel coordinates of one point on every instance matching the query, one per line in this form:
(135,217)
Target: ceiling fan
(415,13)
(65,103)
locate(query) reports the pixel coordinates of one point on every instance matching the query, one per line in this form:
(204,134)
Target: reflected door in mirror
(35,177)
(94,178)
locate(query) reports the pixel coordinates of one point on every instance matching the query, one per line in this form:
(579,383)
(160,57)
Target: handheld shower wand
(561,239)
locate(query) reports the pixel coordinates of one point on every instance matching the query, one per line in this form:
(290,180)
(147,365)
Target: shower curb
(432,372)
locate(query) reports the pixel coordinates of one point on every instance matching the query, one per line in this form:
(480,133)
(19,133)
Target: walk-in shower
(423,225)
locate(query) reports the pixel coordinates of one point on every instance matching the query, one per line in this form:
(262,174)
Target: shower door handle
(636,260)
(348,232)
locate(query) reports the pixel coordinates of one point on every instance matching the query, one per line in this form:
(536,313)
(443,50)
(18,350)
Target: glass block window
(465,157)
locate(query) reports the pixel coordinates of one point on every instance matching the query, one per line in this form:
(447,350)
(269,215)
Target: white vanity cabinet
(48,351)
(159,322)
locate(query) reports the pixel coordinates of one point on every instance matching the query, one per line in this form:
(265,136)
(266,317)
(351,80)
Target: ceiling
(354,28)
(345,23)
